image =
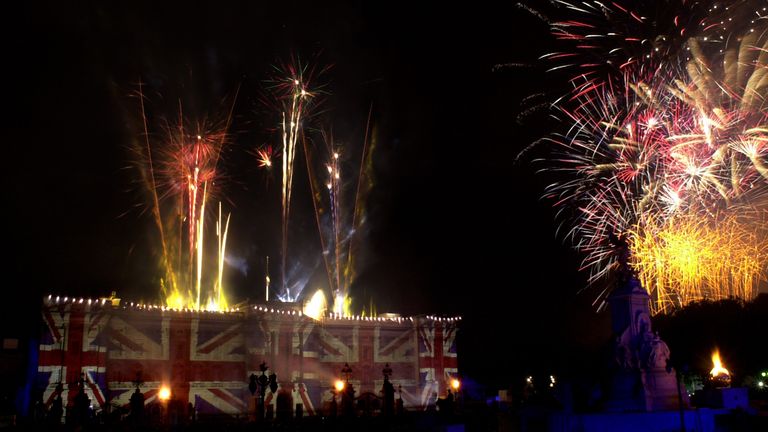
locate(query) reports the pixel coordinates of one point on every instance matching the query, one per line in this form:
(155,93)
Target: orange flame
(718,368)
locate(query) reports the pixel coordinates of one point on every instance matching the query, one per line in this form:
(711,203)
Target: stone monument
(642,379)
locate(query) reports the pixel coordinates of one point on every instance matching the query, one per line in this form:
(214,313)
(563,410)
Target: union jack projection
(205,358)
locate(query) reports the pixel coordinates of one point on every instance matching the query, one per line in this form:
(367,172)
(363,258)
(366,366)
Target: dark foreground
(480,417)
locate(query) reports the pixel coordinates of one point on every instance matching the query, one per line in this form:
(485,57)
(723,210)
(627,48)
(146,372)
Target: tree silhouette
(733,326)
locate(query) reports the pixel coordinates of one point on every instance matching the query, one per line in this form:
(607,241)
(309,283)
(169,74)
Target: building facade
(206,358)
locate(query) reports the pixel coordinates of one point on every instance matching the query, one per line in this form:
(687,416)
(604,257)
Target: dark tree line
(737,328)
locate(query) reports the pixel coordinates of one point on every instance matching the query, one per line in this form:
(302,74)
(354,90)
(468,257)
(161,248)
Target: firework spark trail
(666,145)
(199,247)
(360,193)
(147,152)
(334,194)
(290,135)
(198,162)
(316,200)
(193,160)
(333,184)
(338,226)
(340,290)
(179,186)
(289,95)
(672,257)
(222,248)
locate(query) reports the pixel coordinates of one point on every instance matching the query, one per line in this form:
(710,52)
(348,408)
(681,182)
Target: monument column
(641,379)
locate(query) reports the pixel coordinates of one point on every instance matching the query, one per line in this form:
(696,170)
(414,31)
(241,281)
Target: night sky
(455,226)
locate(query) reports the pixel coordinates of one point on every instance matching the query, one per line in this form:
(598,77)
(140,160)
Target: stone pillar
(641,379)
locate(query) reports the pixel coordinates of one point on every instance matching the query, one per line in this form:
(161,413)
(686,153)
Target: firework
(290,90)
(339,212)
(315,308)
(602,41)
(688,258)
(181,175)
(666,146)
(264,157)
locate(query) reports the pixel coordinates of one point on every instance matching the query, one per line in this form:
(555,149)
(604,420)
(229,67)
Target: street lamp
(348,393)
(336,390)
(387,372)
(455,384)
(339,385)
(346,371)
(164,394)
(388,391)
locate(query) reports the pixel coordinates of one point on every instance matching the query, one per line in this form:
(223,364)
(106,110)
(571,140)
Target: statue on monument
(641,380)
(659,353)
(622,352)
(623,256)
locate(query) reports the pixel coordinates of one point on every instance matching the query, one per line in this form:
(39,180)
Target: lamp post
(346,372)
(455,384)
(164,394)
(337,389)
(388,391)
(681,406)
(348,393)
(387,371)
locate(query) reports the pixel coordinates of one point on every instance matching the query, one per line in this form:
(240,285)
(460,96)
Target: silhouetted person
(253,384)
(263,382)
(273,383)
(446,407)
(348,401)
(432,403)
(334,408)
(284,404)
(82,404)
(389,397)
(39,411)
(57,410)
(137,407)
